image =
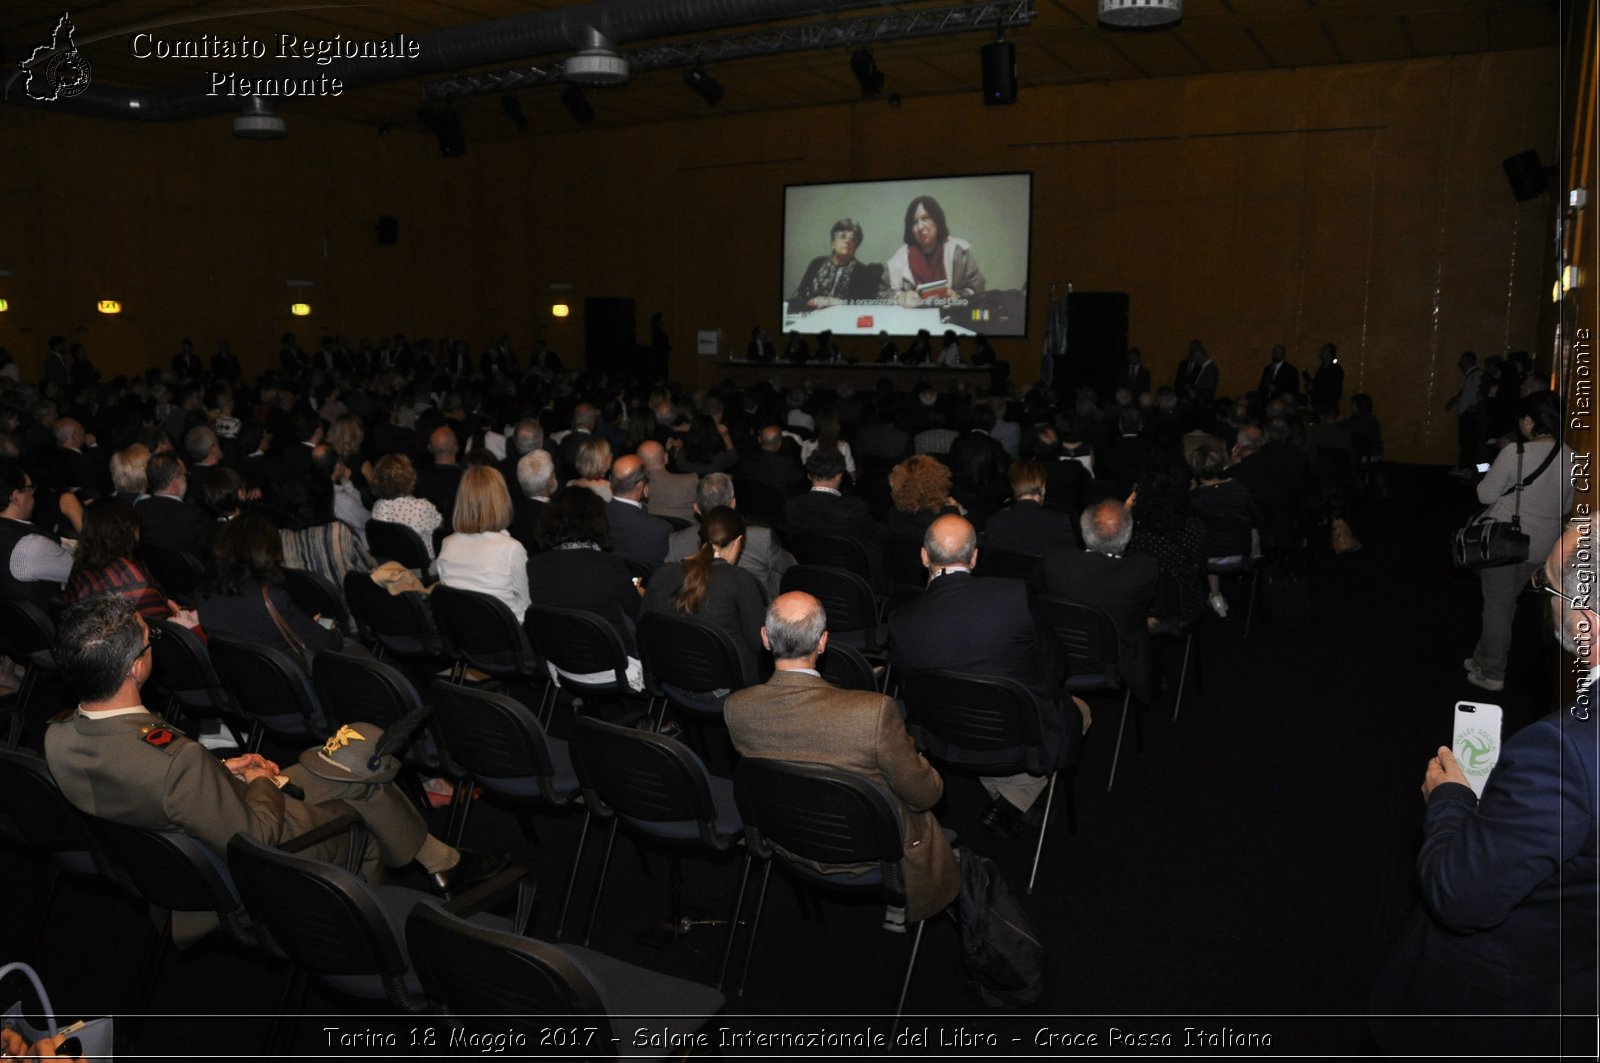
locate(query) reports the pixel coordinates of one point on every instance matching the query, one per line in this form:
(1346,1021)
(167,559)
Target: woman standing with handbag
(1539,499)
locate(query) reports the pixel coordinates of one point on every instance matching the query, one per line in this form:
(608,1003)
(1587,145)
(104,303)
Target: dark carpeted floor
(1254,860)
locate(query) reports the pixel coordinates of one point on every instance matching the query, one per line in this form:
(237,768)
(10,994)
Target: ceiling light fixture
(257,122)
(1140,14)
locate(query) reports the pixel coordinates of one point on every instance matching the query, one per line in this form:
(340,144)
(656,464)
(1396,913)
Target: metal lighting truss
(839,33)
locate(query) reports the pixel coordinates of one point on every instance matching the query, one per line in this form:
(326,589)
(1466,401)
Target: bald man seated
(635,534)
(671,493)
(799,716)
(985,627)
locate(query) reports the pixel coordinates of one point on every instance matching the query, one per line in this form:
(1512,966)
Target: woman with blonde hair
(710,585)
(482,555)
(594,467)
(345,435)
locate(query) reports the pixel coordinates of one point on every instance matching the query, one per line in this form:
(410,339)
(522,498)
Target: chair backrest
(171,870)
(833,551)
(354,687)
(845,668)
(902,560)
(819,813)
(654,782)
(492,737)
(639,569)
(689,653)
(179,573)
(474,970)
(578,642)
(975,721)
(401,623)
(1086,632)
(323,917)
(391,541)
(27,634)
(316,595)
(183,671)
(759,501)
(481,630)
(38,812)
(846,597)
(268,687)
(1009,563)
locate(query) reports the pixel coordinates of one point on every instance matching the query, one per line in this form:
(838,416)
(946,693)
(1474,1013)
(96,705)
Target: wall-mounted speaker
(1526,174)
(999,72)
(388,230)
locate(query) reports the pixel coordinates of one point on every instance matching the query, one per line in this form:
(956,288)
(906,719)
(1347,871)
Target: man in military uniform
(115,759)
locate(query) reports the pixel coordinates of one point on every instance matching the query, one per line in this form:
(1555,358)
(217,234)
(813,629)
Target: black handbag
(1485,543)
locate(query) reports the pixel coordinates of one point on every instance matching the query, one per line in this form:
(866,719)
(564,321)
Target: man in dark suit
(76,464)
(1135,376)
(978,465)
(186,364)
(985,627)
(635,534)
(583,420)
(225,364)
(438,482)
(1026,526)
(531,489)
(799,716)
(1278,477)
(1120,464)
(165,519)
(1508,921)
(825,511)
(1279,376)
(1104,574)
(775,462)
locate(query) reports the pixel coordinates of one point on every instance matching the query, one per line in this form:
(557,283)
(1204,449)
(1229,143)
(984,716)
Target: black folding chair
(1012,564)
(398,625)
(497,742)
(1230,551)
(986,725)
(579,643)
(184,683)
(1089,637)
(846,669)
(805,814)
(271,690)
(523,983)
(660,788)
(1171,625)
(179,573)
(848,600)
(483,633)
(832,551)
(685,654)
(316,595)
(28,637)
(760,502)
(391,541)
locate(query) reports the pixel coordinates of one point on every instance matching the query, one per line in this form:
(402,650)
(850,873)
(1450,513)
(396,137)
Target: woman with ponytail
(709,584)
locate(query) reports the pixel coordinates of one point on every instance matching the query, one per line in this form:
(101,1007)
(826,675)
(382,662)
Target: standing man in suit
(985,627)
(1509,880)
(763,556)
(1135,377)
(1104,574)
(186,364)
(635,534)
(799,716)
(671,493)
(1279,376)
(1327,387)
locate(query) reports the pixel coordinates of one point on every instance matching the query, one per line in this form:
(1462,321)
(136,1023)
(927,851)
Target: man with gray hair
(671,493)
(985,627)
(536,482)
(525,438)
(1103,574)
(799,716)
(763,556)
(204,450)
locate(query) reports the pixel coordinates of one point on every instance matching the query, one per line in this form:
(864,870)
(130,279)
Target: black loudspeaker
(1097,342)
(447,127)
(1526,175)
(999,72)
(388,230)
(610,341)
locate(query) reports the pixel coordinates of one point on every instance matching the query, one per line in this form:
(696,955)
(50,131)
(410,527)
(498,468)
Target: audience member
(763,556)
(393,481)
(708,584)
(165,519)
(671,493)
(635,535)
(1026,526)
(481,555)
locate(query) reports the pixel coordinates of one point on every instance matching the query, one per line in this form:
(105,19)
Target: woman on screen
(931,266)
(837,277)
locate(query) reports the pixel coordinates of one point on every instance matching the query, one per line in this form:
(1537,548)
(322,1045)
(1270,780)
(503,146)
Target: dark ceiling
(1064,44)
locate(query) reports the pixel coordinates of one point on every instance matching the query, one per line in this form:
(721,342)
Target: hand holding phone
(1476,745)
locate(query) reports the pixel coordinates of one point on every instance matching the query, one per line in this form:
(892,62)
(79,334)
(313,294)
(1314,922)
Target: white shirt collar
(635,503)
(827,491)
(106,714)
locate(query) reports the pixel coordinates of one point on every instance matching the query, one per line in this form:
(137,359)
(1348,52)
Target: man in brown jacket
(799,716)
